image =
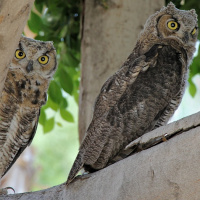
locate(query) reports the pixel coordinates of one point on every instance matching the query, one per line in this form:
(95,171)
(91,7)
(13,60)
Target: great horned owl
(25,91)
(144,93)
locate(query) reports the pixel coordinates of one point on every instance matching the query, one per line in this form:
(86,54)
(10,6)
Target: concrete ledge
(168,170)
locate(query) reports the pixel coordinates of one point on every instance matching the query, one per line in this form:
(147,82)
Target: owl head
(170,22)
(35,57)
(179,24)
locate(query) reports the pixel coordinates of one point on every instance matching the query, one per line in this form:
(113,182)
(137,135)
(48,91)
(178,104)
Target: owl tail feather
(78,164)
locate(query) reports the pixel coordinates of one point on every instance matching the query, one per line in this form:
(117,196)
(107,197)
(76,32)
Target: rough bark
(168,170)
(13,17)
(109,33)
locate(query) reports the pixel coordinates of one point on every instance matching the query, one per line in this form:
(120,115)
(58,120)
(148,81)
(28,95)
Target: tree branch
(13,17)
(168,170)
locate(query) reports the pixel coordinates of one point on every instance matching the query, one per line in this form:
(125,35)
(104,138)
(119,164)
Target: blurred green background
(55,152)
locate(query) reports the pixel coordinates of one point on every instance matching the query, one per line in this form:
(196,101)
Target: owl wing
(168,112)
(34,129)
(107,98)
(124,77)
(160,120)
(164,115)
(19,138)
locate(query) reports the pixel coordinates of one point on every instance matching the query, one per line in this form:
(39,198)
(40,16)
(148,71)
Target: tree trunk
(13,17)
(109,33)
(168,170)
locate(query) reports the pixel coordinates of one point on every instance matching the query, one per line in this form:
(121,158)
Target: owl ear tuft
(193,12)
(170,5)
(171,8)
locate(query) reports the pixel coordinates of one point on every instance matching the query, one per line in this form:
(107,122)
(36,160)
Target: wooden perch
(167,169)
(13,17)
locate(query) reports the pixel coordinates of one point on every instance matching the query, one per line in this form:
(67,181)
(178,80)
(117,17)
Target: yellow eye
(43,60)
(19,54)
(194,31)
(172,25)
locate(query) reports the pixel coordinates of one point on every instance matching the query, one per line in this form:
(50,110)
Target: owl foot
(4,191)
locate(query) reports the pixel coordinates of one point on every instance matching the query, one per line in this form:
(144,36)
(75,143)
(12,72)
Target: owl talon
(4,191)
(10,188)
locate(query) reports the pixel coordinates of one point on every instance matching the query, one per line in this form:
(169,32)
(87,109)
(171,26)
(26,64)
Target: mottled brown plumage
(144,93)
(25,91)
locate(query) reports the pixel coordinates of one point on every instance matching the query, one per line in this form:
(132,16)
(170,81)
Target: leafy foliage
(195,66)
(59,21)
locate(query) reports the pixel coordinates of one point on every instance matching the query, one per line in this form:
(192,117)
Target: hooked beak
(29,67)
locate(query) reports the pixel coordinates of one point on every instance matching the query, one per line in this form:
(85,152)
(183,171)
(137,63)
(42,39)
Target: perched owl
(25,91)
(144,93)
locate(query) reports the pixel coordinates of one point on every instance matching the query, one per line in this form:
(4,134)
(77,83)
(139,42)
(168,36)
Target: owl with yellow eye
(144,93)
(25,91)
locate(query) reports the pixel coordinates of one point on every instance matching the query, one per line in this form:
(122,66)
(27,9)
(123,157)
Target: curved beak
(29,67)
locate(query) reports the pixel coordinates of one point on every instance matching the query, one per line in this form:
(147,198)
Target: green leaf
(76,97)
(63,31)
(66,115)
(54,106)
(59,124)
(195,67)
(70,59)
(39,6)
(76,91)
(42,118)
(192,89)
(55,92)
(66,81)
(63,104)
(49,125)
(35,23)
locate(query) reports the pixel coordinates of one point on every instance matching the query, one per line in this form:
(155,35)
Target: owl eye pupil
(43,59)
(173,25)
(20,53)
